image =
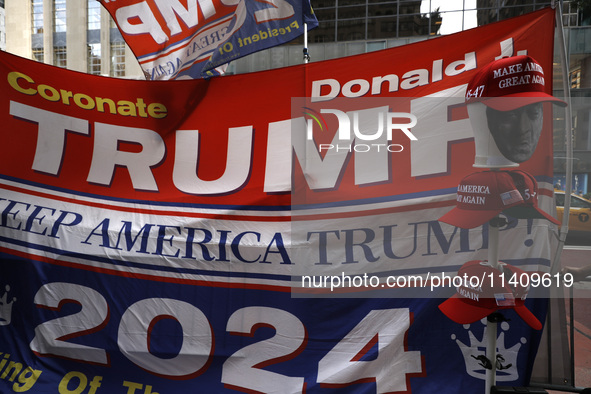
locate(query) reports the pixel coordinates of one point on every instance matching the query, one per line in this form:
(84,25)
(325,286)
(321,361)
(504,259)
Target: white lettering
(170,8)
(323,172)
(51,135)
(238,162)
(107,155)
(361,91)
(317,87)
(459,66)
(415,78)
(410,80)
(404,127)
(149,24)
(280,9)
(436,131)
(475,189)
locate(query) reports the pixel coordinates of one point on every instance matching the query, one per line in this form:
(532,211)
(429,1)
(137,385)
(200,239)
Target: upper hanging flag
(186,39)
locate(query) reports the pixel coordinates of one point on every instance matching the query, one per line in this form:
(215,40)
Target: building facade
(2,27)
(80,35)
(75,34)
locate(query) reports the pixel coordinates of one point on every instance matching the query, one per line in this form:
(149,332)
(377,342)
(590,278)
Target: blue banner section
(68,330)
(261,28)
(193,39)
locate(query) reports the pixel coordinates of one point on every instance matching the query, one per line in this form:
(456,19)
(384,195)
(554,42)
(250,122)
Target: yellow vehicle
(579,216)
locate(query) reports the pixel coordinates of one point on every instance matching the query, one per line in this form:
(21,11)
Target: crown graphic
(6,308)
(477,348)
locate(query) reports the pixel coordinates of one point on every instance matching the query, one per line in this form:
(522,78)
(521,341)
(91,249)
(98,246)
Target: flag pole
(568,130)
(491,325)
(306,54)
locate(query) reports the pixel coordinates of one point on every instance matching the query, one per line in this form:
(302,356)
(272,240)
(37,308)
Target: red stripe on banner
(546,192)
(253,218)
(372,212)
(153,278)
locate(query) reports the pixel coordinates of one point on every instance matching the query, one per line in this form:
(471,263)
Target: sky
(452,22)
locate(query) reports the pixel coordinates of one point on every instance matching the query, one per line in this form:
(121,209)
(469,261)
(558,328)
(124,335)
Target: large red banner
(152,233)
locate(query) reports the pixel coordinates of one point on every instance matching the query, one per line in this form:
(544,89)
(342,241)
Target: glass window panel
(355,48)
(351,29)
(59,15)
(384,27)
(569,20)
(325,32)
(375,46)
(510,12)
(470,19)
(486,16)
(323,3)
(94,15)
(94,59)
(117,59)
(350,2)
(451,22)
(428,6)
(37,16)
(414,25)
(325,14)
(351,12)
(335,51)
(578,203)
(382,9)
(487,3)
(38,54)
(412,7)
(59,56)
(432,21)
(471,4)
(559,200)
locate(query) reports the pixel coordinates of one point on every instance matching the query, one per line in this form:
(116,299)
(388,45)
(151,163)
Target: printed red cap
(510,83)
(528,187)
(484,290)
(480,197)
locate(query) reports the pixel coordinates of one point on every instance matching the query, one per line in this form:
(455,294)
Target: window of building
(575,78)
(117,59)
(94,15)
(37,16)
(38,54)
(381,27)
(94,59)
(510,12)
(93,37)
(346,20)
(325,32)
(569,14)
(351,29)
(59,16)
(59,56)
